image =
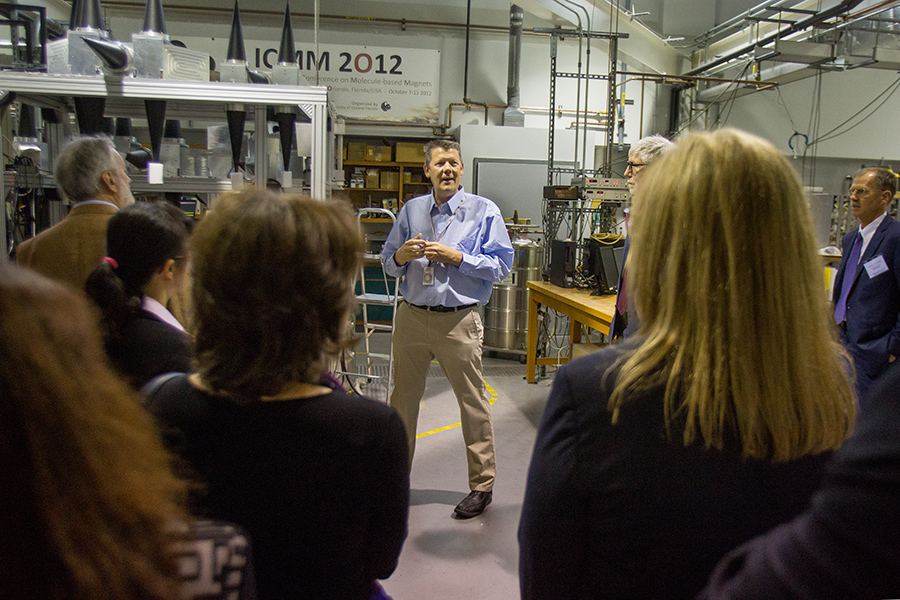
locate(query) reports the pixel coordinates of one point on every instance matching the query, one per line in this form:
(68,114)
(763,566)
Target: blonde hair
(734,321)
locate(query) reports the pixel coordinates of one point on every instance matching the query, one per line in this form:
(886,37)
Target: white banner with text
(399,85)
(365,82)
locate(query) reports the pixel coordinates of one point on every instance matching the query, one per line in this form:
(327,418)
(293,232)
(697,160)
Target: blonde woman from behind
(713,424)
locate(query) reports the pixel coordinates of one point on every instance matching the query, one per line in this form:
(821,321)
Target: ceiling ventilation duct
(805,24)
(873,43)
(809,53)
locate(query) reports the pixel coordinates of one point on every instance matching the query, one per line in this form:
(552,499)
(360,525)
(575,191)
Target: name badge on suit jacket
(876,267)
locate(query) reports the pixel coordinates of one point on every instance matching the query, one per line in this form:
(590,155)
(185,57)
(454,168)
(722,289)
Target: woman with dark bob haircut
(146,247)
(317,477)
(89,506)
(656,456)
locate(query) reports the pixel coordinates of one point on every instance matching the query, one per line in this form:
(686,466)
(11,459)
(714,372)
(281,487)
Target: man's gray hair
(446,145)
(81,164)
(651,147)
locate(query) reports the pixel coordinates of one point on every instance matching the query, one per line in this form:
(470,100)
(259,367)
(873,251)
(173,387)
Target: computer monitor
(619,253)
(608,274)
(604,263)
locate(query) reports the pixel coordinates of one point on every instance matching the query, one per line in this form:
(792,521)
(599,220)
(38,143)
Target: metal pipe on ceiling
(802,25)
(119,4)
(466,66)
(869,10)
(578,80)
(737,21)
(513,115)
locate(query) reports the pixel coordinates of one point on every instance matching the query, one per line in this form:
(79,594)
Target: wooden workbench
(583,309)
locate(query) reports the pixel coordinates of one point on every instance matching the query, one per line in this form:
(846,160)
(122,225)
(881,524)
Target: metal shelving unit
(187,100)
(366,365)
(586,76)
(574,218)
(139,184)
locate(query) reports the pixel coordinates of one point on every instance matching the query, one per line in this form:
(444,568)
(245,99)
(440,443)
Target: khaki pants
(455,339)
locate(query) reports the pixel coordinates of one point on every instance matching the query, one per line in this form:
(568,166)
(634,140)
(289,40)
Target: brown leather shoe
(473,504)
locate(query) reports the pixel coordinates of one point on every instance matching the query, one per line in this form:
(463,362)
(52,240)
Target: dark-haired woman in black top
(145,265)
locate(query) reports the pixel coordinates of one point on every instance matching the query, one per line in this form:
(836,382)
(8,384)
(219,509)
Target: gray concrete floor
(445,558)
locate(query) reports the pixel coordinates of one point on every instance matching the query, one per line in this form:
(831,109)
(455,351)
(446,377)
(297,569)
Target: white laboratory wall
(488,67)
(843,94)
(527,143)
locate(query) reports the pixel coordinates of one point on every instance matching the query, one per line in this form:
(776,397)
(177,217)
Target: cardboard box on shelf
(390,180)
(378,153)
(410,152)
(356,151)
(371,178)
(358,177)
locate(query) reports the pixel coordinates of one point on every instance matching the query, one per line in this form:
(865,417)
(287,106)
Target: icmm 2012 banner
(398,85)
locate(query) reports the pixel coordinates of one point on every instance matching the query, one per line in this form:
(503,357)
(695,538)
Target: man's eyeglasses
(633,166)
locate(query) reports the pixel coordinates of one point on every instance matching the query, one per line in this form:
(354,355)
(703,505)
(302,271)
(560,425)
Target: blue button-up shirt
(468,223)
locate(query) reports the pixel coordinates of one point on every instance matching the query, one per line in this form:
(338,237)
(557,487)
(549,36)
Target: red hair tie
(112,262)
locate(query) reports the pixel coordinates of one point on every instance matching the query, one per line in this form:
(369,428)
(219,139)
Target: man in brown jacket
(91,175)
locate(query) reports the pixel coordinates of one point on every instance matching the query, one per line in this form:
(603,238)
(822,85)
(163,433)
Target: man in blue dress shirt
(449,247)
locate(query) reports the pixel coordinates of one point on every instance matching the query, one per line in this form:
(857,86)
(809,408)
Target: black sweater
(320,484)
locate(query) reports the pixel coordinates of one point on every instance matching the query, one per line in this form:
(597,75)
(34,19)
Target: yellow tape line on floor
(440,429)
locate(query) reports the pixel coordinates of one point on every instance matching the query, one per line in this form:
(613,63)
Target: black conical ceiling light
(287,52)
(173,129)
(113,54)
(91,15)
(156,118)
(123,127)
(26,128)
(75,15)
(236,41)
(154,20)
(236,120)
(286,135)
(89,112)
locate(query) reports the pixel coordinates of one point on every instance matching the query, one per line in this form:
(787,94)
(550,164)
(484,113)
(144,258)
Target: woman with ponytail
(145,265)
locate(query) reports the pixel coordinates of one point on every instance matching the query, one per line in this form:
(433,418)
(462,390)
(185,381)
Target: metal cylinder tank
(506,314)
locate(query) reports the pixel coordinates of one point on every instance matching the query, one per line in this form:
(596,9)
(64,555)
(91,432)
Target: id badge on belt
(428,275)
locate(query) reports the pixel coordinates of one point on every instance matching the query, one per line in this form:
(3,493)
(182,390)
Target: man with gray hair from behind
(625,320)
(91,175)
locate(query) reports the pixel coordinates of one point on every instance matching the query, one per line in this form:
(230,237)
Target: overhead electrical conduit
(799,26)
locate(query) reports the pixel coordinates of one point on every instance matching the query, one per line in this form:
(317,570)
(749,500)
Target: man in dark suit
(867,286)
(645,151)
(91,175)
(846,546)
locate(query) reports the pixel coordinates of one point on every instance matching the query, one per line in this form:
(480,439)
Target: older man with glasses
(645,151)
